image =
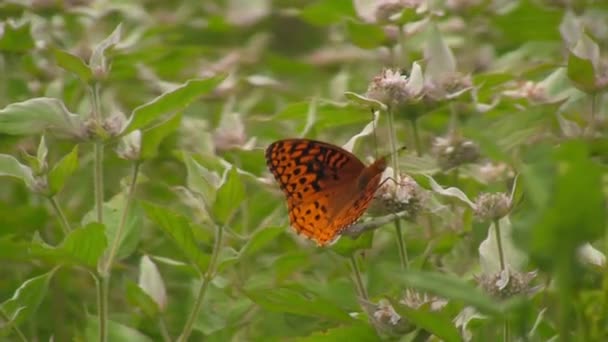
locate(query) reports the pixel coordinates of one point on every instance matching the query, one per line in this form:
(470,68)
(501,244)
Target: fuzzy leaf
(35,115)
(63,170)
(26,299)
(170,102)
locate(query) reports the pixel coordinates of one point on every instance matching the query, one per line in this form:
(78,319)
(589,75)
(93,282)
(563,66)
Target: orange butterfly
(327,188)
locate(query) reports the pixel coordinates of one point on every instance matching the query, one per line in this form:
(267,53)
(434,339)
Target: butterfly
(327,188)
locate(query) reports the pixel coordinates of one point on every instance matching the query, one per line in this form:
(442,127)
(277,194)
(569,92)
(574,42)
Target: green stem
(398,231)
(123,220)
(163,329)
(18,331)
(417,145)
(393,142)
(403,258)
(204,285)
(98,180)
(499,244)
(506,331)
(402,47)
(358,279)
(594,100)
(102,287)
(65,225)
(95,104)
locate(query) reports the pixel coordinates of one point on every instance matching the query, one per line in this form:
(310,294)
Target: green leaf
(434,322)
(138,297)
(35,115)
(366,36)
(567,205)
(448,287)
(297,300)
(346,246)
(359,331)
(99,63)
(170,102)
(63,170)
(229,197)
(440,58)
(543,23)
(83,246)
(201,180)
(152,282)
(181,232)
(581,73)
(152,138)
(260,239)
(16,38)
(26,299)
(116,331)
(11,167)
(328,12)
(112,214)
(73,63)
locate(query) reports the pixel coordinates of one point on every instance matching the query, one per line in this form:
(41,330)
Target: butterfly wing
(317,179)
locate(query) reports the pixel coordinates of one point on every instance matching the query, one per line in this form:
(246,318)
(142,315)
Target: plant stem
(98,180)
(123,220)
(398,231)
(594,100)
(163,329)
(506,331)
(206,279)
(402,249)
(102,286)
(65,225)
(358,279)
(499,244)
(393,142)
(417,145)
(18,331)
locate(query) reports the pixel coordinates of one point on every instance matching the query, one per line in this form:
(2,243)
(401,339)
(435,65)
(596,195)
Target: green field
(141,198)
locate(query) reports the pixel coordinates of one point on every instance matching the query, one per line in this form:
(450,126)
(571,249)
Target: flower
(532,91)
(415,300)
(492,206)
(394,89)
(453,151)
(402,194)
(230,133)
(386,10)
(505,284)
(386,313)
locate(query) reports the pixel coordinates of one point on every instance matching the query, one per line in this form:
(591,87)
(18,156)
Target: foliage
(136,204)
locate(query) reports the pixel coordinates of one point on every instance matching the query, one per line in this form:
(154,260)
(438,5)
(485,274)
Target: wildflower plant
(135,203)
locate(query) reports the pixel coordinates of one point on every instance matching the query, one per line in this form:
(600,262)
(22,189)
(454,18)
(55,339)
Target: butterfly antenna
(402,148)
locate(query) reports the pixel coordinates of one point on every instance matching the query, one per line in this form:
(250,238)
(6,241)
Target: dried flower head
(129,147)
(393,89)
(454,151)
(386,10)
(385,319)
(230,133)
(114,124)
(492,172)
(449,86)
(532,91)
(398,195)
(415,299)
(492,206)
(386,313)
(505,284)
(460,5)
